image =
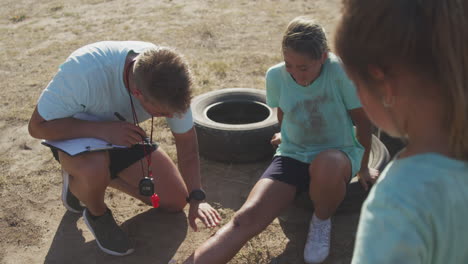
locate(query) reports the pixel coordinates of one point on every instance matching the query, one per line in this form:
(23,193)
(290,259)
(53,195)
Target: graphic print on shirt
(309,117)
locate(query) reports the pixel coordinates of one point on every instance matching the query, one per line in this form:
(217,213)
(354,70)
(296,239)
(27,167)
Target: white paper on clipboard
(80,145)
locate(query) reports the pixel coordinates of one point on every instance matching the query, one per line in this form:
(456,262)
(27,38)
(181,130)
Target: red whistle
(155,200)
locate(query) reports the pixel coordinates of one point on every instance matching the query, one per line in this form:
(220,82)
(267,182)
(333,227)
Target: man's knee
(94,176)
(92,171)
(175,206)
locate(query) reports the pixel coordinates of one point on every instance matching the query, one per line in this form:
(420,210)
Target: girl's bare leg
(265,202)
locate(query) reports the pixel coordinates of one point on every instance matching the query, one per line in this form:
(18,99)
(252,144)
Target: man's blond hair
(163,76)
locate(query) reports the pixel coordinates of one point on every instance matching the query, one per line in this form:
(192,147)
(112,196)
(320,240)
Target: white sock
(319,221)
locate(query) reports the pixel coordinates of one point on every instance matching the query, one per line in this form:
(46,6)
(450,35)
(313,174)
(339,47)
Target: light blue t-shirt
(315,117)
(416,213)
(91,81)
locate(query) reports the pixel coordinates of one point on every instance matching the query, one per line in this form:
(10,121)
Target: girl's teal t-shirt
(416,213)
(315,117)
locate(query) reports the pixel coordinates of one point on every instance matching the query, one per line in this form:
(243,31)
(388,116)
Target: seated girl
(317,149)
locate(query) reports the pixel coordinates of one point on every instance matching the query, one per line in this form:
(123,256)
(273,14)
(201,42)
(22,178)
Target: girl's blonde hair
(427,37)
(305,36)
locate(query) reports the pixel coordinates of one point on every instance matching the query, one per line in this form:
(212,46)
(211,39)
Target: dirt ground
(228,44)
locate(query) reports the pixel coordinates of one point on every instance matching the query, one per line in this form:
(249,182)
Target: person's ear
(324,57)
(376,72)
(386,88)
(137,94)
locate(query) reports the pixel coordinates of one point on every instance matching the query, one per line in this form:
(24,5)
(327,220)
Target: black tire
(355,194)
(234,136)
(379,155)
(394,145)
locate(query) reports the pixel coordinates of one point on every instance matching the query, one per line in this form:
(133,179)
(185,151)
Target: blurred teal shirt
(416,213)
(315,117)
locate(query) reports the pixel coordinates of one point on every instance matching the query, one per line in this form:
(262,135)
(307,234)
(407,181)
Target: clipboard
(77,146)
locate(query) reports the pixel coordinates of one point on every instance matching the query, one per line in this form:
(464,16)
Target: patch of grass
(219,68)
(95,2)
(39,181)
(4,164)
(56,8)
(3,180)
(18,18)
(20,113)
(255,251)
(19,229)
(206,34)
(71,14)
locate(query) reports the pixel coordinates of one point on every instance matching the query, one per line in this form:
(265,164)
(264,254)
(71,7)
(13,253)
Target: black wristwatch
(197,195)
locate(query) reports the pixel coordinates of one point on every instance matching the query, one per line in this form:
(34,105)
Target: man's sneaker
(68,199)
(317,246)
(109,237)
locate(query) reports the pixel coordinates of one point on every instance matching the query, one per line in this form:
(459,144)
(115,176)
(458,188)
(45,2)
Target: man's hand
(276,139)
(115,132)
(207,214)
(123,133)
(368,175)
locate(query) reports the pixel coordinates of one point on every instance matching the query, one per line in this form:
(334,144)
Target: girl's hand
(368,175)
(122,133)
(207,214)
(276,139)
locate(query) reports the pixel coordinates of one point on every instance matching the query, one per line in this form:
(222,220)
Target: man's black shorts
(122,158)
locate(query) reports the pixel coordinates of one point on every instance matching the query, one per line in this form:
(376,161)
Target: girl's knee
(329,166)
(330,157)
(246,220)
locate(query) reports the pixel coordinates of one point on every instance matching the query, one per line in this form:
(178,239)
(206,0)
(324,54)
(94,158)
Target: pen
(119,116)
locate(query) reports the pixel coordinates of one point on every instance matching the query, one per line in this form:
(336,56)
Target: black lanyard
(146,185)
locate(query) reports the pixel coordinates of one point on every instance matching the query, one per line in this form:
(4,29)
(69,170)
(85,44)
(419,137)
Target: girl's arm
(279,114)
(276,139)
(364,135)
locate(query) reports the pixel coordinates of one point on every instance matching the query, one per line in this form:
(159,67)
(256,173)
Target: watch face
(198,195)
(146,187)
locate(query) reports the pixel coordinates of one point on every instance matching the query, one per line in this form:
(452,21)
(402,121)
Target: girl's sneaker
(317,246)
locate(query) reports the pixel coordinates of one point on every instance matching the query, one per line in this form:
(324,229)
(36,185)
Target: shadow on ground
(156,235)
(229,184)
